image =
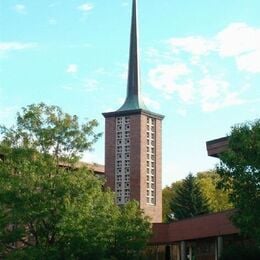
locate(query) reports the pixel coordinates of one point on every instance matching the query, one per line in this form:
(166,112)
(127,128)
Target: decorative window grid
(150,161)
(122,173)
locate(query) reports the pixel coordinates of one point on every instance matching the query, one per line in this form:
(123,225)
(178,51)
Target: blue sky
(200,66)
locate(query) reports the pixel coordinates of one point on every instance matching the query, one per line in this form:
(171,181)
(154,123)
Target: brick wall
(138,160)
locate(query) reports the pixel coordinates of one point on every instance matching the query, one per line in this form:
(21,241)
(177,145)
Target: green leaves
(48,129)
(51,208)
(207,182)
(132,232)
(189,200)
(217,199)
(239,170)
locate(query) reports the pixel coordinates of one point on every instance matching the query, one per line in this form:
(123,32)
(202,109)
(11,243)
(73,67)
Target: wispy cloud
(91,157)
(215,94)
(210,92)
(151,103)
(90,85)
(16,46)
(237,40)
(72,68)
(198,70)
(123,71)
(196,45)
(86,7)
(19,8)
(171,78)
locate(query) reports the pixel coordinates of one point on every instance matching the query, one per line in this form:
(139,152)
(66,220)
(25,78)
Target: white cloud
(151,103)
(210,80)
(86,7)
(91,157)
(123,74)
(169,79)
(19,8)
(237,40)
(210,93)
(242,42)
(155,56)
(16,46)
(216,94)
(164,76)
(90,85)
(72,69)
(249,62)
(196,45)
(186,91)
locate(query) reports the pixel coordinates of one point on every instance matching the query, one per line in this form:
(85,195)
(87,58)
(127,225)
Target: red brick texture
(138,155)
(110,152)
(153,211)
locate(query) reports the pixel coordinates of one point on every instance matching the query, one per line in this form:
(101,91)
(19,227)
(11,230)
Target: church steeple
(133,99)
(133,143)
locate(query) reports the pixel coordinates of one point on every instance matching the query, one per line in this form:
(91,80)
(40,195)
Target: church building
(133,170)
(133,137)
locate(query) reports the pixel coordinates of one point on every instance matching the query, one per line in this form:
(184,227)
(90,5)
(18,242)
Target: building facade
(133,137)
(133,143)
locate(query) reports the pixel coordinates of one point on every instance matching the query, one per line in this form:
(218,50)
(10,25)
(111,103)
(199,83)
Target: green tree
(239,170)
(131,232)
(168,194)
(53,209)
(217,198)
(189,201)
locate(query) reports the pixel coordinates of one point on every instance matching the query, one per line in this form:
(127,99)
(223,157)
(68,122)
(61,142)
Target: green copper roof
(133,103)
(133,99)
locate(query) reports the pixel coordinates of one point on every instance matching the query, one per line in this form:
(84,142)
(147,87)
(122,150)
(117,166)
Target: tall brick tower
(133,143)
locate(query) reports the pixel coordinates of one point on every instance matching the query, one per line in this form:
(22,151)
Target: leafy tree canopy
(217,199)
(51,209)
(239,170)
(168,194)
(189,200)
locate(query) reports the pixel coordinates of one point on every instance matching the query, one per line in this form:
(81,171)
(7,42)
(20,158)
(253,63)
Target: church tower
(133,143)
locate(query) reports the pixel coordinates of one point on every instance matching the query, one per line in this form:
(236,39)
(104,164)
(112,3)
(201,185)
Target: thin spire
(133,85)
(133,98)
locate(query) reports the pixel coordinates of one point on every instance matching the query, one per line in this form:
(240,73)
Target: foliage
(240,173)
(217,199)
(240,252)
(49,206)
(189,200)
(131,232)
(48,130)
(208,183)
(168,194)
